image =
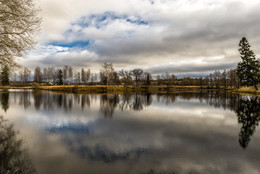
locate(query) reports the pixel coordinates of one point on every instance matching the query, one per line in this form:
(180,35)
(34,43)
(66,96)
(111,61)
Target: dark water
(185,133)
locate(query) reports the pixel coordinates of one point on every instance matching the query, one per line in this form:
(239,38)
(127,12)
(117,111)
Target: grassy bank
(99,89)
(120,89)
(248,90)
(17,87)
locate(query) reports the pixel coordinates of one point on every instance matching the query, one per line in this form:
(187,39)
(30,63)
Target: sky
(184,37)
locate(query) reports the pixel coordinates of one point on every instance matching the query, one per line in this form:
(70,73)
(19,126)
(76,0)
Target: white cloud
(173,31)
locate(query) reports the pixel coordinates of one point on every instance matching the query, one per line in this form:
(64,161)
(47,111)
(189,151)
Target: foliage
(5,75)
(248,70)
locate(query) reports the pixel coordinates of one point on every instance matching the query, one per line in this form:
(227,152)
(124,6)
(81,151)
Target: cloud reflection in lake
(181,133)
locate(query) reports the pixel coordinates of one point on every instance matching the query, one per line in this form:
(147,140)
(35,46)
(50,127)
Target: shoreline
(113,89)
(100,89)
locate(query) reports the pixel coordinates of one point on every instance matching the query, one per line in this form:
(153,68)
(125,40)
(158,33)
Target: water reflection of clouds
(177,142)
(169,134)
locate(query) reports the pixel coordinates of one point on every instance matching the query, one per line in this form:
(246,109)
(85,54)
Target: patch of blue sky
(100,20)
(137,21)
(75,44)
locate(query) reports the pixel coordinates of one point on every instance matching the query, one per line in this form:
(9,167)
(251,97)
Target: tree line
(108,76)
(247,73)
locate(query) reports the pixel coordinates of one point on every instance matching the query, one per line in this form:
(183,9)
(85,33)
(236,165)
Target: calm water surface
(144,134)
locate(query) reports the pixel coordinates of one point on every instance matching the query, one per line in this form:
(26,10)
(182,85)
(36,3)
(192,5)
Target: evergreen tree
(248,70)
(5,75)
(60,77)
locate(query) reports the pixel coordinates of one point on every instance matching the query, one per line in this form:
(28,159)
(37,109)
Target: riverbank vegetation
(107,76)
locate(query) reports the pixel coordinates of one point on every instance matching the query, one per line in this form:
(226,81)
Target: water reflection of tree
(13,159)
(50,101)
(85,100)
(137,102)
(5,100)
(248,114)
(24,99)
(108,103)
(37,95)
(141,101)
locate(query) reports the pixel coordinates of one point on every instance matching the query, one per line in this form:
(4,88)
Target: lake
(186,133)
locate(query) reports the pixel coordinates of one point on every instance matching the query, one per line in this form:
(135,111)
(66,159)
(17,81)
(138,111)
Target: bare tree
(159,80)
(147,78)
(216,77)
(116,79)
(92,78)
(27,74)
(77,78)
(173,79)
(19,23)
(167,78)
(83,76)
(106,73)
(88,75)
(38,75)
(21,76)
(24,75)
(137,73)
(71,74)
(126,77)
(45,75)
(95,78)
(51,74)
(224,78)
(14,77)
(65,73)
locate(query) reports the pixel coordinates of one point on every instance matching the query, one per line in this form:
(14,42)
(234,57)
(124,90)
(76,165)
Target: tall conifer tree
(5,75)
(248,70)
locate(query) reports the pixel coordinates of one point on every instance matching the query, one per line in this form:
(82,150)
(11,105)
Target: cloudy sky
(179,36)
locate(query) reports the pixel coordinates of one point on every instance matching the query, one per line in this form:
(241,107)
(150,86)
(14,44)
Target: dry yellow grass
(116,89)
(122,89)
(16,87)
(249,89)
